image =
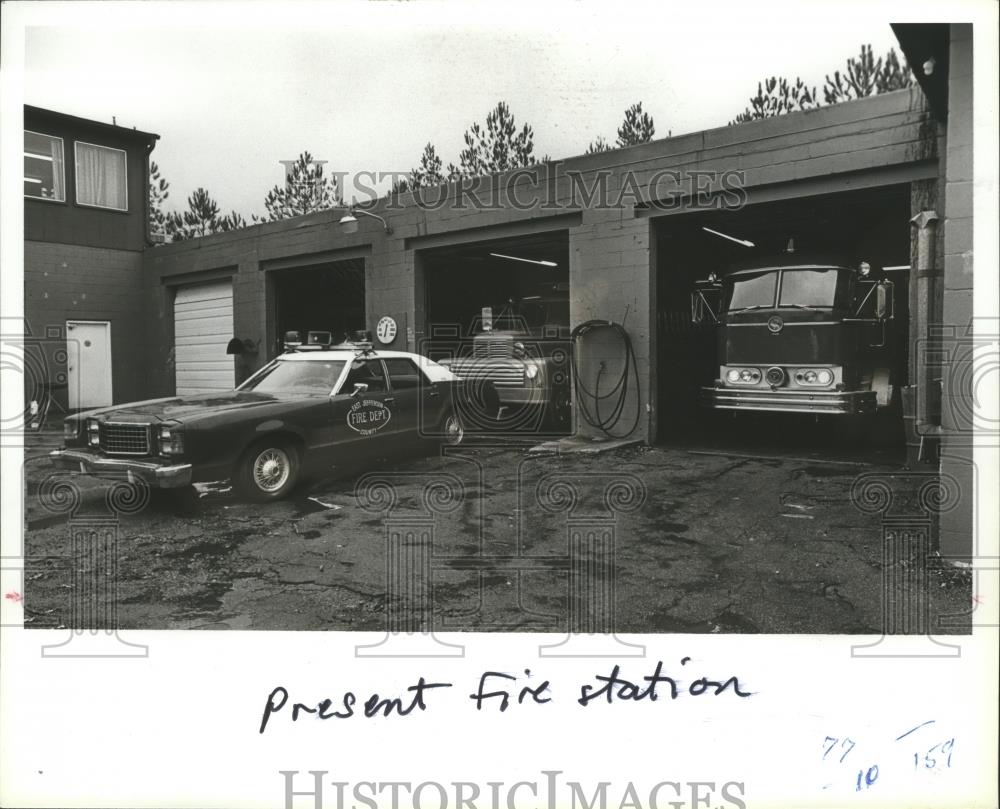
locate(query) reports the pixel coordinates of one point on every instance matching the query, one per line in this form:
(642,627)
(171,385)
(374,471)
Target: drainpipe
(923,404)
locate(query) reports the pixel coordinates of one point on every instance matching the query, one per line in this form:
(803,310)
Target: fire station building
(621,237)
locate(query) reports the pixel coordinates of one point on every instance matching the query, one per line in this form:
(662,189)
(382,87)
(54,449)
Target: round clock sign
(386,330)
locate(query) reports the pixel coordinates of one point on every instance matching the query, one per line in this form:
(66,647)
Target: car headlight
(743,376)
(171,440)
(531,371)
(93,433)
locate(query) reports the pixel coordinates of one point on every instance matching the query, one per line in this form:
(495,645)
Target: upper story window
(100,177)
(44,169)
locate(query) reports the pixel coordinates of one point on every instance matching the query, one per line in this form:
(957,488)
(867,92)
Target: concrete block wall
(73,282)
(612,261)
(957,416)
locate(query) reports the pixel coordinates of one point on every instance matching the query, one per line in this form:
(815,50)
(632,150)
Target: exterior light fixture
(526,260)
(349,221)
(744,242)
(237,346)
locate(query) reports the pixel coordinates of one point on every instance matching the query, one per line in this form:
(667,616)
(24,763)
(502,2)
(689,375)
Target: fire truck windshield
(753,292)
(809,288)
(532,315)
(801,288)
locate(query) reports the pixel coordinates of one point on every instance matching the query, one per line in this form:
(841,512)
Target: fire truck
(516,372)
(802,333)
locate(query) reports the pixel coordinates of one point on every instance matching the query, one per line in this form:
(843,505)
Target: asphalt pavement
(702,538)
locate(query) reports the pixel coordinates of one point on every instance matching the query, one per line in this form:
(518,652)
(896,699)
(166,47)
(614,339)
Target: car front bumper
(159,474)
(790,401)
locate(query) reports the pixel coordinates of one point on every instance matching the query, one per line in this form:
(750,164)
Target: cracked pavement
(720,544)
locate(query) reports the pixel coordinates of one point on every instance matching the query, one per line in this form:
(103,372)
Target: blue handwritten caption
(868,766)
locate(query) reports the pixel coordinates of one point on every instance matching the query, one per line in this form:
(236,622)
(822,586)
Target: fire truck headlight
(816,377)
(531,371)
(743,376)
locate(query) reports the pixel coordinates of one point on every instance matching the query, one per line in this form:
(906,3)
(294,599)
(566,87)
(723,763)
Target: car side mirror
(705,305)
(359,388)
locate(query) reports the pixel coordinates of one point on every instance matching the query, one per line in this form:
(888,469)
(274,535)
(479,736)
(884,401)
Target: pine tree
(636,128)
(599,145)
(776,97)
(427,174)
(498,147)
(306,190)
(201,218)
(865,76)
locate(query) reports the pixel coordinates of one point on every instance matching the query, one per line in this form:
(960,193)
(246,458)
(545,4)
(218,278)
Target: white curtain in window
(50,183)
(100,176)
(58,191)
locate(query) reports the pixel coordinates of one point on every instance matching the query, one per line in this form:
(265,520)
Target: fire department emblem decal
(368,416)
(775,324)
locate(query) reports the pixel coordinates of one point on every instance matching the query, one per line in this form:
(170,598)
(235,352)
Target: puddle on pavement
(209,599)
(215,545)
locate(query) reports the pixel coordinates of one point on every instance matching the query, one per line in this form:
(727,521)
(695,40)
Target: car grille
(502,374)
(124,439)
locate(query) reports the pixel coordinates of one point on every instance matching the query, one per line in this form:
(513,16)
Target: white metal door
(88,363)
(203,327)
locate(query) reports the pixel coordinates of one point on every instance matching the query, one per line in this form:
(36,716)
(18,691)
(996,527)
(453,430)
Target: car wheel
(269,470)
(452,430)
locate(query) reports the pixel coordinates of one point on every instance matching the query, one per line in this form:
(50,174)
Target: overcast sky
(232,88)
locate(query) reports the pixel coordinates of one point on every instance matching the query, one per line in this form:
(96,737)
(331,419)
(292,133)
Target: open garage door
(322,297)
(203,327)
(869,225)
(498,311)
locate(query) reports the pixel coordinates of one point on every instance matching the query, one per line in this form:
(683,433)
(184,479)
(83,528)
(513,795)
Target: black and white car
(305,413)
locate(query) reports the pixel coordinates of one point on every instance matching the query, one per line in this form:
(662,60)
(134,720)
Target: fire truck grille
(509,375)
(125,439)
(500,347)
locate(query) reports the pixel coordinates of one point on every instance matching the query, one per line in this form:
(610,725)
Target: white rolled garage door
(203,326)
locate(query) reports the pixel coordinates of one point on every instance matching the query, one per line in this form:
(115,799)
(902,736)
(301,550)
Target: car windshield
(753,291)
(809,288)
(297,376)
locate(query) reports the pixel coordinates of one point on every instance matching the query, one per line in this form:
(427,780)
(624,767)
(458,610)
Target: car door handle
(389,399)
(434,393)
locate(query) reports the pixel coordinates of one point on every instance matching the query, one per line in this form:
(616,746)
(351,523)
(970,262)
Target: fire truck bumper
(511,397)
(790,401)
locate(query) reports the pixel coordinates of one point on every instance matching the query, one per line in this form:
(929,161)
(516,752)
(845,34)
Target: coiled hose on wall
(591,413)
